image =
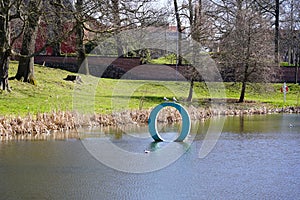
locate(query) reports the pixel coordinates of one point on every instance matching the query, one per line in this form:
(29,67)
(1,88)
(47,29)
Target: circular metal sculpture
(152,122)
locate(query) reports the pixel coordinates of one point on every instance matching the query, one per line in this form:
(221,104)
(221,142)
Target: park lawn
(268,93)
(168,59)
(96,95)
(50,94)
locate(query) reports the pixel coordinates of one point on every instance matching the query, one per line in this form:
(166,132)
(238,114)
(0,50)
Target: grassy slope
(52,93)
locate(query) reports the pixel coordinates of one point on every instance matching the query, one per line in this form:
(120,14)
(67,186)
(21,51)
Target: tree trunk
(190,97)
(243,91)
(57,28)
(25,71)
(4,66)
(297,73)
(276,39)
(4,48)
(245,76)
(80,49)
(179,31)
(297,62)
(117,26)
(244,82)
(119,45)
(247,65)
(56,49)
(26,63)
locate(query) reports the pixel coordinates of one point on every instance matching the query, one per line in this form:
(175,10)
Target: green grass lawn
(169,59)
(52,93)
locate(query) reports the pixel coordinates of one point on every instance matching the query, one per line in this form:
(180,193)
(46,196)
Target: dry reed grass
(56,124)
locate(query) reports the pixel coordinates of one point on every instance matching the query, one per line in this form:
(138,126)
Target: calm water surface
(256,157)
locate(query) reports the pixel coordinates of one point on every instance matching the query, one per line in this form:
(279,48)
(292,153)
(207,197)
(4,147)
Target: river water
(255,157)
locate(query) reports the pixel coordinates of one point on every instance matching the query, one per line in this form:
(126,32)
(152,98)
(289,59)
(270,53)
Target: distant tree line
(250,36)
(59,19)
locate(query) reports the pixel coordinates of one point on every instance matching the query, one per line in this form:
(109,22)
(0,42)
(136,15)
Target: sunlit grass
(52,93)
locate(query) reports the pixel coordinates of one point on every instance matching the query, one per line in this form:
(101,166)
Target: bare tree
(179,31)
(276,38)
(201,31)
(58,15)
(290,26)
(116,21)
(290,36)
(199,28)
(9,11)
(50,13)
(118,15)
(79,29)
(26,61)
(246,43)
(272,7)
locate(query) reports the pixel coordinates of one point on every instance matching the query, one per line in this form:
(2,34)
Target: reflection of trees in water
(241,125)
(259,123)
(165,128)
(115,133)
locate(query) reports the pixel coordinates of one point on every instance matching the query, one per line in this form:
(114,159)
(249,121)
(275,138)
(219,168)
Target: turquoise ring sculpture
(152,121)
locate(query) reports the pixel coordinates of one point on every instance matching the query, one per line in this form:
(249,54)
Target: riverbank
(59,125)
(35,111)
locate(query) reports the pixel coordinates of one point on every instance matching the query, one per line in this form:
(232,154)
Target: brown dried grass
(59,125)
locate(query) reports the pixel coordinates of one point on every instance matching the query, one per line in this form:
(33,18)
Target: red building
(66,40)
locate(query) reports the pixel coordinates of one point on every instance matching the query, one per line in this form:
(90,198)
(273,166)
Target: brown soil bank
(56,124)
